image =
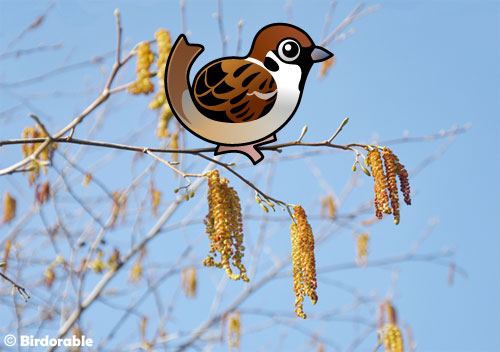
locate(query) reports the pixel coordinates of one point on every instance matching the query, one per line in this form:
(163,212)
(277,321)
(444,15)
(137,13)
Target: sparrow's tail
(177,70)
(228,136)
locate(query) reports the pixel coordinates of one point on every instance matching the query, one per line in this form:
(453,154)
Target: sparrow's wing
(234,90)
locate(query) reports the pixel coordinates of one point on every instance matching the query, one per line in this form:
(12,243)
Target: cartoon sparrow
(239,103)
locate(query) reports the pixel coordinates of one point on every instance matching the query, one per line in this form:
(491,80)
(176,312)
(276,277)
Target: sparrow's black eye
(288,50)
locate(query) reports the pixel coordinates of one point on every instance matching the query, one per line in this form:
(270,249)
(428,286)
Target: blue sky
(413,67)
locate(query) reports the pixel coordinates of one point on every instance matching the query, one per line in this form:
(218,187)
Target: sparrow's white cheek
(287,76)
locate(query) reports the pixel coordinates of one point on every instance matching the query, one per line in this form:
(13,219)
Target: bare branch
(99,287)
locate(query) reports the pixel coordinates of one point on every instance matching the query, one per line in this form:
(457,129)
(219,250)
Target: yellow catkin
(43,158)
(163,120)
(87,179)
(325,67)
(78,334)
(48,152)
(145,58)
(135,272)
(234,331)
(155,200)
(403,179)
(389,333)
(224,226)
(188,277)
(118,206)
(144,323)
(328,207)
(114,260)
(49,276)
(42,192)
(97,265)
(28,149)
(164,45)
(392,338)
(381,200)
(6,252)
(391,313)
(9,208)
(392,185)
(362,248)
(174,144)
(304,264)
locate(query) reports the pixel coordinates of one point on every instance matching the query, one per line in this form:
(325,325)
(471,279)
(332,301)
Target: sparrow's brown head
(289,44)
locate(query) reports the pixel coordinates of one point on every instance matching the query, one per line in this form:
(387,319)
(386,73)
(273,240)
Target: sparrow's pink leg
(250,150)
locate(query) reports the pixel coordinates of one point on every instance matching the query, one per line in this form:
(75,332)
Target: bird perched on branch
(240,103)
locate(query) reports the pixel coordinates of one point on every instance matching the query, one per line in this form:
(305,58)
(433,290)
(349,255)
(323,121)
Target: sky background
(412,67)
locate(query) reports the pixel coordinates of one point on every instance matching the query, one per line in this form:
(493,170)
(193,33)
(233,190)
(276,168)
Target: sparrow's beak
(320,54)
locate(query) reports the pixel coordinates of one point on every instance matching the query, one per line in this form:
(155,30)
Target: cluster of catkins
(224,226)
(143,84)
(386,199)
(29,148)
(164,45)
(145,58)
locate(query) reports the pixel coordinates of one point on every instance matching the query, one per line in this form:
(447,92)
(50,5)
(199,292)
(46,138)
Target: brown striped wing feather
(234,90)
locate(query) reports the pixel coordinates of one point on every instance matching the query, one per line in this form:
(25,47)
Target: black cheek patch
(271,65)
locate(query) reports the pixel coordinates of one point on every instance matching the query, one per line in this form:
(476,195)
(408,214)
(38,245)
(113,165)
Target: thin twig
(250,184)
(377,347)
(58,70)
(289,11)
(238,41)
(328,19)
(21,290)
(342,124)
(118,62)
(169,164)
(183,16)
(35,24)
(345,22)
(221,27)
(41,125)
(355,14)
(302,134)
(39,48)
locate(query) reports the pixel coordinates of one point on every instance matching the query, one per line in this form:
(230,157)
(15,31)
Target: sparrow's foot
(250,150)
